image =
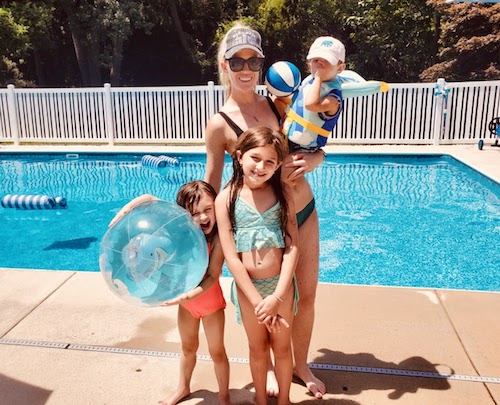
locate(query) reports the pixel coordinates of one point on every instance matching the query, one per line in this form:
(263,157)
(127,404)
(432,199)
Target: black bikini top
(237,130)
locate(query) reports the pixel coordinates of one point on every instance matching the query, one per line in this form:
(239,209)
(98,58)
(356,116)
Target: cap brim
(230,53)
(323,54)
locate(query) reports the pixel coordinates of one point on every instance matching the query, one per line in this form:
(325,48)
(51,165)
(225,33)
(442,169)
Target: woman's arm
(233,261)
(216,149)
(213,273)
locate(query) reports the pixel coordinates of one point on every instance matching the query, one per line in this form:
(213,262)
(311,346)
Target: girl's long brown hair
(255,138)
(191,193)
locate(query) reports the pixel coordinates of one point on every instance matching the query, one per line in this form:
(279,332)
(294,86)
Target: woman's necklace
(251,115)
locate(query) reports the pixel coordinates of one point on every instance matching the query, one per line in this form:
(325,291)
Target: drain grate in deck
(241,360)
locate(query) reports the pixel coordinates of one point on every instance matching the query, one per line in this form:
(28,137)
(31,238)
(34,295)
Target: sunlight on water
(425,221)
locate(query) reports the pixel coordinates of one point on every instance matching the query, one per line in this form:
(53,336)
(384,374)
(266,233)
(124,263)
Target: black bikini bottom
(305,213)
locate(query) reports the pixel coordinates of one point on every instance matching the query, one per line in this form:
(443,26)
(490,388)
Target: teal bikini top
(255,231)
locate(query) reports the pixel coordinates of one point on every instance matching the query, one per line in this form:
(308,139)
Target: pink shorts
(206,303)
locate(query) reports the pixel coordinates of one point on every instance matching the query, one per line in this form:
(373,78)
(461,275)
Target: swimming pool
(399,220)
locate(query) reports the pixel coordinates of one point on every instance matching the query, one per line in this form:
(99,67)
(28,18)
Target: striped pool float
(28,202)
(61,202)
(171,161)
(153,161)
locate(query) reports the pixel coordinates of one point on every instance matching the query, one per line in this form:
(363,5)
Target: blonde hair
(223,76)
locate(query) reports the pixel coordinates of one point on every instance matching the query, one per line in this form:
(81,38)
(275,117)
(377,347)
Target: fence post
(12,109)
(441,94)
(211,99)
(108,113)
(211,105)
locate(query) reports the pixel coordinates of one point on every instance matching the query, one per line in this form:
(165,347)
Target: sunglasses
(237,64)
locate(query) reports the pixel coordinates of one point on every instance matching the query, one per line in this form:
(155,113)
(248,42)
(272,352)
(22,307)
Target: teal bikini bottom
(265,287)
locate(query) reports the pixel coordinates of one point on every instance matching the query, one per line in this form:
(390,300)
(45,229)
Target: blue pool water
(422,221)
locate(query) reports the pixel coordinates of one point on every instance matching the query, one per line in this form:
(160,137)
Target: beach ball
(153,253)
(282,78)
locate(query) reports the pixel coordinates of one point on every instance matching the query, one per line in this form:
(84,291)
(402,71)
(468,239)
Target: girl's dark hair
(255,138)
(191,193)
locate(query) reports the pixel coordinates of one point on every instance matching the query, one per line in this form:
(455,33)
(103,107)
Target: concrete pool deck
(65,338)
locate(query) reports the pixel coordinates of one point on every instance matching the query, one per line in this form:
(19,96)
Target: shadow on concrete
(245,396)
(20,393)
(238,397)
(330,401)
(353,383)
(150,335)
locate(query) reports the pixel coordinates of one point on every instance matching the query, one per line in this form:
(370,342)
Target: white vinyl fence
(447,113)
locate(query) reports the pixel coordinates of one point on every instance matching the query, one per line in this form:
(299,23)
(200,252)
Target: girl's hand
(275,324)
(267,309)
(175,301)
(129,206)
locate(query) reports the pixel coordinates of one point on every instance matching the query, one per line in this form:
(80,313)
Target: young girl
(206,301)
(258,233)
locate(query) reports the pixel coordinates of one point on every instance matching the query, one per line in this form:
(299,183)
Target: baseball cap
(242,38)
(328,48)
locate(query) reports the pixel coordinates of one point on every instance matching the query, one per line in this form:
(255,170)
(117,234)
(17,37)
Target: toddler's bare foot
(272,384)
(176,396)
(313,383)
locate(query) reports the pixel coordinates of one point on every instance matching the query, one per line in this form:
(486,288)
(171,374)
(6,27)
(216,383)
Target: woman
(240,61)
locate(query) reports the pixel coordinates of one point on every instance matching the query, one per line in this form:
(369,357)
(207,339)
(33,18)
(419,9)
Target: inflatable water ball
(282,78)
(153,253)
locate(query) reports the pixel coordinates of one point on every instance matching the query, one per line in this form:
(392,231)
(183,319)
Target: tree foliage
(14,43)
(156,42)
(393,38)
(469,42)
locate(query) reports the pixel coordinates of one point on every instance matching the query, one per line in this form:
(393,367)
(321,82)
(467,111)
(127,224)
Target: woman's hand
(130,205)
(301,163)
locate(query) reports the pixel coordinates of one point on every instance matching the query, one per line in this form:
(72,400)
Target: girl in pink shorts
(205,302)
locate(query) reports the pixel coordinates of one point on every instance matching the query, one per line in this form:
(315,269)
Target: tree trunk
(87,55)
(184,38)
(80,53)
(40,76)
(94,67)
(116,66)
